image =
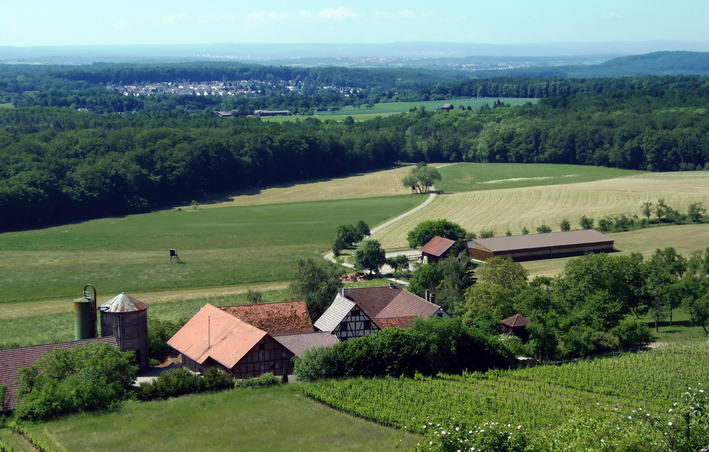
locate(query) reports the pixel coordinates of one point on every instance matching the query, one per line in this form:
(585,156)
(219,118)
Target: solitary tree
(660,209)
(426,230)
(565,225)
(647,209)
(421,178)
(525,231)
(362,228)
(370,256)
(398,263)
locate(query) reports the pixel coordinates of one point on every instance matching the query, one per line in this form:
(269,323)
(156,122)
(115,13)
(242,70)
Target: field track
(513,209)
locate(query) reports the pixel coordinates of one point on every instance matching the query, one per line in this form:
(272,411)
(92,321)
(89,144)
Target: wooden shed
(436,249)
(540,246)
(516,325)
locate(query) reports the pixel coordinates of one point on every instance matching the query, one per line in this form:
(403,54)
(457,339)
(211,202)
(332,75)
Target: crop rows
(543,397)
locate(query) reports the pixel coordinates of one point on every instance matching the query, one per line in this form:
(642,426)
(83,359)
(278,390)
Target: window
(343,326)
(367,325)
(439,314)
(355,311)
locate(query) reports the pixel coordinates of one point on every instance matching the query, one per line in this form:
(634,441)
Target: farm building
(540,246)
(127,319)
(230,339)
(447,107)
(516,325)
(14,359)
(436,249)
(272,113)
(362,311)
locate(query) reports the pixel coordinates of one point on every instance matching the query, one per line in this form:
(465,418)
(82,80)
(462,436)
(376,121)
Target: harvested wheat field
(513,209)
(363,185)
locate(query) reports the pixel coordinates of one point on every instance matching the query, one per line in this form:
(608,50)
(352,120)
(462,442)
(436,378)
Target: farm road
(36,308)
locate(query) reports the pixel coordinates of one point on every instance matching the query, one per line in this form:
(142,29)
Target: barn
(357,312)
(540,246)
(247,341)
(436,249)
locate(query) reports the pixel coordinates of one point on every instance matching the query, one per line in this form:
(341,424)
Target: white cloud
(340,13)
(401,14)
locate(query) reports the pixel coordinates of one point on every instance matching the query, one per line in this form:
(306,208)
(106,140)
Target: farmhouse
(14,359)
(436,249)
(247,341)
(271,112)
(540,246)
(362,311)
(224,113)
(447,107)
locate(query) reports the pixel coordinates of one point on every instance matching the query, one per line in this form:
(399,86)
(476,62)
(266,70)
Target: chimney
(343,292)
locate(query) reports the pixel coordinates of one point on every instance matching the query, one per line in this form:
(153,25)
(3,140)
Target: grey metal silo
(126,319)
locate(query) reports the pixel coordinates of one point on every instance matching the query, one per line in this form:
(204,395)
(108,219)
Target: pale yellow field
(365,185)
(500,210)
(684,238)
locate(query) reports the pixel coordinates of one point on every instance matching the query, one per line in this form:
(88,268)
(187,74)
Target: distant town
(229,88)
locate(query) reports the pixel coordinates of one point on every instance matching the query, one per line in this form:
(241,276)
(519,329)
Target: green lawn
(16,442)
(6,105)
(219,246)
(266,419)
(490,176)
(390,108)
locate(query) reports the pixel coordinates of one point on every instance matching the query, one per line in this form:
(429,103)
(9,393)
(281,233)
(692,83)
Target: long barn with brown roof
(540,246)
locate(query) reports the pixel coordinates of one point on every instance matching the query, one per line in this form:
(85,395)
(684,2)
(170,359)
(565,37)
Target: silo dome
(126,318)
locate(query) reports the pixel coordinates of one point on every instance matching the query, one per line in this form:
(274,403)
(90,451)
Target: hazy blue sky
(60,22)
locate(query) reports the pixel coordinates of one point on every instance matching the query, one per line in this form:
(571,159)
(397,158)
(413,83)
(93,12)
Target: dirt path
(36,308)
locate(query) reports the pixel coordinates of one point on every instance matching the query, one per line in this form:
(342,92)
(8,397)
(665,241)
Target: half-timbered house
(357,312)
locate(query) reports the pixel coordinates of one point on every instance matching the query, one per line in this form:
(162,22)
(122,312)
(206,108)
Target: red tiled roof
(212,333)
(551,239)
(516,320)
(14,359)
(395,322)
(288,317)
(390,302)
(437,246)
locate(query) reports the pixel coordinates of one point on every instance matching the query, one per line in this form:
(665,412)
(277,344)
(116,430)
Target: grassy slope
(500,210)
(389,108)
(231,245)
(269,419)
(491,176)
(684,238)
(15,441)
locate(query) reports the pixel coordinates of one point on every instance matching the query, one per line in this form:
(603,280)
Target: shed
(516,325)
(447,107)
(540,246)
(436,248)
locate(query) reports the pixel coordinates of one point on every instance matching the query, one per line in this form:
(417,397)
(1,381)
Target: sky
(91,22)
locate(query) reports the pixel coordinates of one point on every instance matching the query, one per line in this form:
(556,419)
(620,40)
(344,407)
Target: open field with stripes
(512,209)
(363,113)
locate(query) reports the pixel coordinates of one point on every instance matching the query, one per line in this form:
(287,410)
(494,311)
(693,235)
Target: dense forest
(59,164)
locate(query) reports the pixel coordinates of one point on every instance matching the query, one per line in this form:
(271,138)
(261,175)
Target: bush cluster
(177,382)
(267,379)
(428,347)
(159,332)
(92,377)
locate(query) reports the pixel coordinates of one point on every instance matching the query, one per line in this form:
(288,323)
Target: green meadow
(491,176)
(390,108)
(264,419)
(219,246)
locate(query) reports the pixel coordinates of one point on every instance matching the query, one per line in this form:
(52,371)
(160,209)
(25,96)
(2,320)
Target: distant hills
(655,63)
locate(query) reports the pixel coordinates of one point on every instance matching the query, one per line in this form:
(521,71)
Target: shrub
(487,234)
(254,297)
(695,212)
(543,229)
(605,224)
(429,346)
(217,380)
(86,378)
(631,333)
(490,436)
(3,391)
(565,225)
(171,383)
(362,228)
(586,222)
(267,379)
(525,231)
